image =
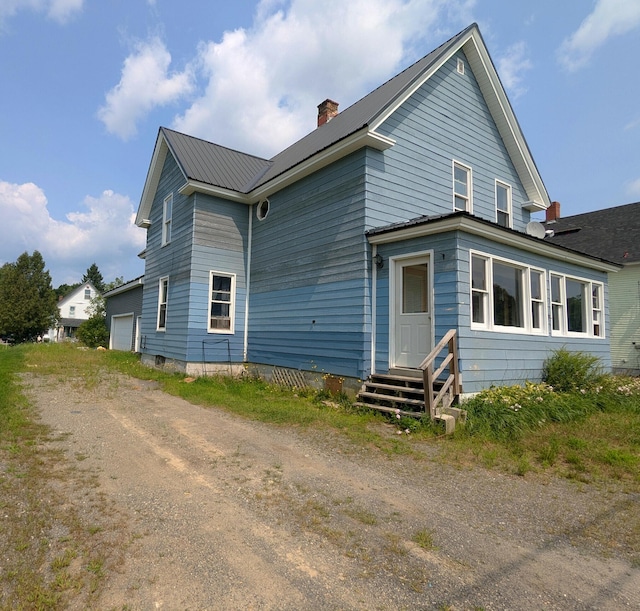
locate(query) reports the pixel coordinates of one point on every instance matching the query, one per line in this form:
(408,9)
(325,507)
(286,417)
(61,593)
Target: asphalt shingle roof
(612,234)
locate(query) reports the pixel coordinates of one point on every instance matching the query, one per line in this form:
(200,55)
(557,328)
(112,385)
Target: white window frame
(231,302)
(72,311)
(508,212)
(485,296)
(468,198)
(163,300)
(167,215)
(592,307)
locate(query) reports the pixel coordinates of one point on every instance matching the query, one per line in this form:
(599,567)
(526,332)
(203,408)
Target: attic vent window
(460,66)
(262,210)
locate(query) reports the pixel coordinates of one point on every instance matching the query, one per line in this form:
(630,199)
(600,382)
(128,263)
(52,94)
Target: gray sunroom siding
(446,119)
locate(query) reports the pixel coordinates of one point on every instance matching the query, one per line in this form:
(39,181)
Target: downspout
(247,284)
(374,299)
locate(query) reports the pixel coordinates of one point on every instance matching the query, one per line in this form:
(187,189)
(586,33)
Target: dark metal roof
(612,233)
(213,164)
(427,220)
(219,166)
(361,114)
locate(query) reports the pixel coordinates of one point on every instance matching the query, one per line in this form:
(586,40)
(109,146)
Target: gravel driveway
(217,512)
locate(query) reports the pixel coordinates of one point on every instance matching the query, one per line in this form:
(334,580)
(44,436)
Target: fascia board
(366,137)
(468,225)
(407,93)
(123,288)
(153,178)
(193,186)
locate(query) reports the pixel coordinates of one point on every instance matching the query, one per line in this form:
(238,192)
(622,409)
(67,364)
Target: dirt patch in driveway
(211,511)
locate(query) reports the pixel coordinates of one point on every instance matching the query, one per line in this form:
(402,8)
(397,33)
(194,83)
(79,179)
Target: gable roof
(217,170)
(612,233)
(75,292)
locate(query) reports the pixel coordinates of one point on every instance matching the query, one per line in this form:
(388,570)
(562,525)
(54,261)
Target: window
(72,311)
(460,66)
(222,289)
(262,210)
(167,212)
(500,292)
(461,187)
(503,204)
(163,294)
(576,306)
(87,293)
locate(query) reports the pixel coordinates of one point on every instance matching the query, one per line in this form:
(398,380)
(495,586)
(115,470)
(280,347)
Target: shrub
(94,332)
(572,371)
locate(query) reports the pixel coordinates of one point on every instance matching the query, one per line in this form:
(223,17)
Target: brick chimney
(553,212)
(326,111)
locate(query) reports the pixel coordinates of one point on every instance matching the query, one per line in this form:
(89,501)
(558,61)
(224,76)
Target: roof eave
(473,226)
(193,186)
(365,137)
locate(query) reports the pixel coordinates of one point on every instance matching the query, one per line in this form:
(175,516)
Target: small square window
(460,66)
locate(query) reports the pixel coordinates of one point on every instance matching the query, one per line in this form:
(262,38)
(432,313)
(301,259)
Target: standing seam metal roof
(219,166)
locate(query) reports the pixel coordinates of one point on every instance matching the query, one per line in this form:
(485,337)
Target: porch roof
(463,221)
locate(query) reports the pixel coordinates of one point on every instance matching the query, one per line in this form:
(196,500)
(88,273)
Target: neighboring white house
(73,312)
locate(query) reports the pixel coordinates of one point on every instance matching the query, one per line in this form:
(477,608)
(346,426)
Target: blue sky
(87,83)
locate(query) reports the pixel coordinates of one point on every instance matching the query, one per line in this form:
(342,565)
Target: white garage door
(121,332)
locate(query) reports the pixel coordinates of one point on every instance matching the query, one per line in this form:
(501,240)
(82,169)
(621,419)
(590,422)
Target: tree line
(29,303)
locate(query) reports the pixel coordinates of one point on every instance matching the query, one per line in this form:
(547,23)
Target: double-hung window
(506,295)
(462,188)
(576,306)
(167,213)
(503,204)
(222,291)
(163,294)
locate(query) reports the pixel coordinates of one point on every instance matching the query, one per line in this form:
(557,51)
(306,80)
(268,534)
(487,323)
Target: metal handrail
(451,387)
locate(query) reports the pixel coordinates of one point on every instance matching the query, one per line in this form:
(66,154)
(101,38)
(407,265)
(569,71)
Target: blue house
(356,249)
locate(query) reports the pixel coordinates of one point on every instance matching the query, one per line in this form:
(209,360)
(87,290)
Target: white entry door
(412,315)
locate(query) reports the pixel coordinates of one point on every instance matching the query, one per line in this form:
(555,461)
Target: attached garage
(124,309)
(122,332)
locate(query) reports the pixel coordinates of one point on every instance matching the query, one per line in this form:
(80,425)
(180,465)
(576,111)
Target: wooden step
(390,399)
(391,388)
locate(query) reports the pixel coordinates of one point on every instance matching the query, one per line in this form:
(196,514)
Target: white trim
(166,304)
(356,141)
(495,234)
(588,306)
(509,211)
(374,307)
(469,197)
(167,219)
(133,328)
(426,256)
(138,336)
(525,296)
(232,303)
(245,341)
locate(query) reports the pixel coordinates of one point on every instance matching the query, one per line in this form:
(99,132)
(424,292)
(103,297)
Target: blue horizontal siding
(446,119)
(486,357)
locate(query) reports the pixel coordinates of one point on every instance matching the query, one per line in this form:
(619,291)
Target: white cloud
(104,232)
(511,67)
(58,10)
(609,18)
(145,84)
(259,87)
(633,189)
